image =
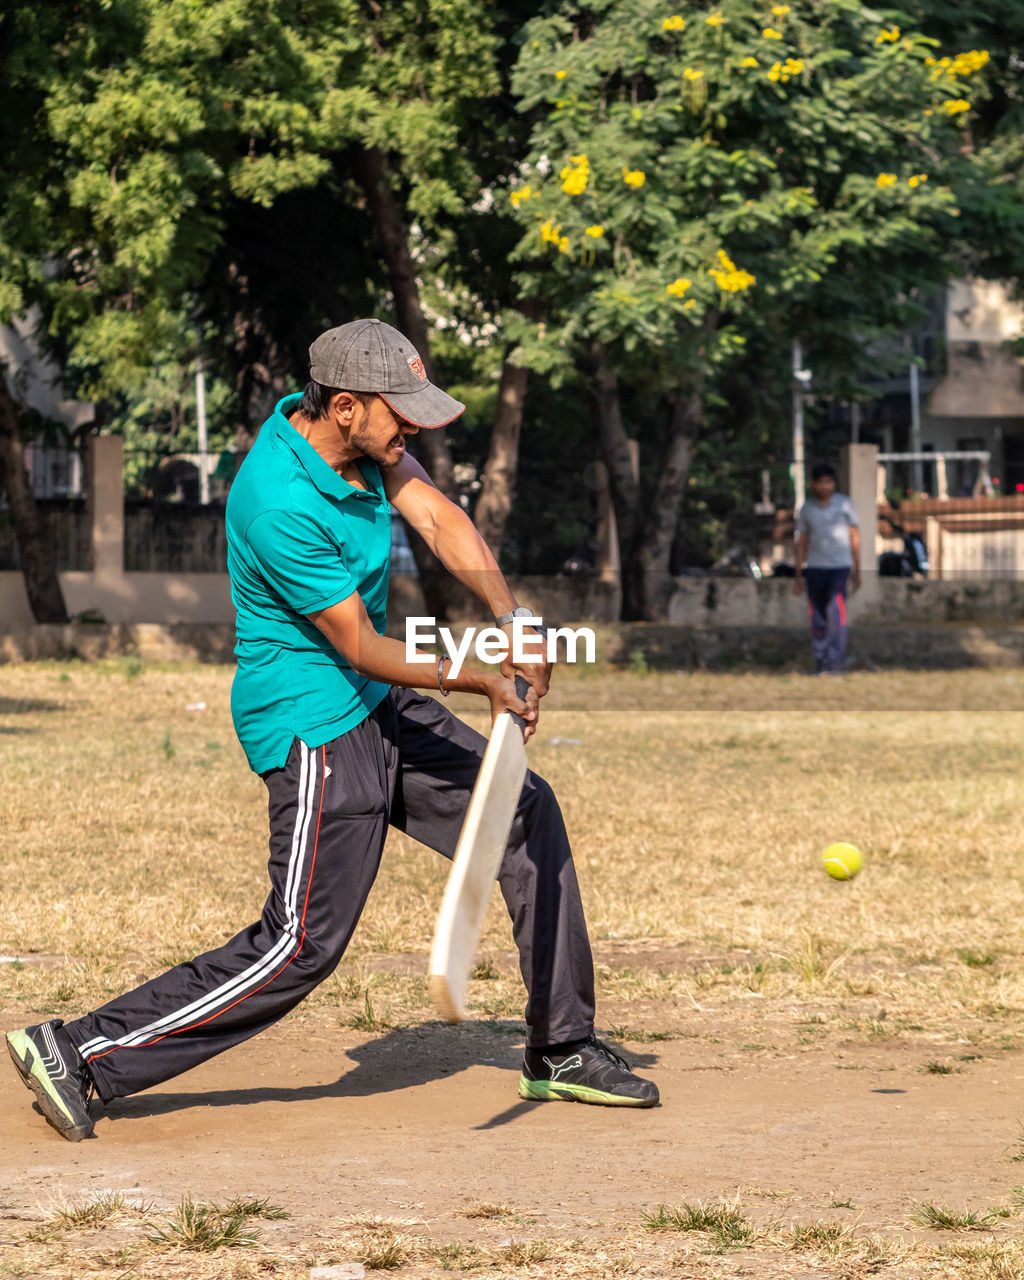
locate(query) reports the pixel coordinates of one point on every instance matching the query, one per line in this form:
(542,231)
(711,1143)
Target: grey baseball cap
(369,355)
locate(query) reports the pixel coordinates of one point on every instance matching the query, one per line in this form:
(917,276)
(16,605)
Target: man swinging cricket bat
(325,707)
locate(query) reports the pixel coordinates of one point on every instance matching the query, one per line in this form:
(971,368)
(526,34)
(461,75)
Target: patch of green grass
(991,1261)
(825,1232)
(484,971)
(939,1218)
(638,664)
(524,1253)
(252,1208)
(457,1256)
(203,1228)
(975,959)
(640,1035)
(92,1212)
(45,1233)
(723,1221)
(384,1251)
(498,1212)
(367,1019)
(939,1069)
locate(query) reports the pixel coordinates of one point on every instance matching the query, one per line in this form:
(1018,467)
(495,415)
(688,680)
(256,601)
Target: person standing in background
(827,563)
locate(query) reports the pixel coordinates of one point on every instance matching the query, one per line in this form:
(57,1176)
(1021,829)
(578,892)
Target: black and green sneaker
(50,1066)
(587,1071)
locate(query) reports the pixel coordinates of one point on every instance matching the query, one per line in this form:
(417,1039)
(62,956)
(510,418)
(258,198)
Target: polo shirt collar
(323,476)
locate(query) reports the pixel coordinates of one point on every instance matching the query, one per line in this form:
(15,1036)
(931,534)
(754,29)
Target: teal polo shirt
(300,538)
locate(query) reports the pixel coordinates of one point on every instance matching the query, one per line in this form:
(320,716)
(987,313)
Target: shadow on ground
(405,1058)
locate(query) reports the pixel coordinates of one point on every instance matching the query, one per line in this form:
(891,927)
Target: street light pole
(915,429)
(800,378)
(204,470)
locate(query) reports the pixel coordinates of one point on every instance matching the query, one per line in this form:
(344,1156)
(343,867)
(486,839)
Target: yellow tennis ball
(842,861)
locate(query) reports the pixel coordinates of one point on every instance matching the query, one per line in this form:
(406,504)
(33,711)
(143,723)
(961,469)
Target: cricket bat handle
(521,688)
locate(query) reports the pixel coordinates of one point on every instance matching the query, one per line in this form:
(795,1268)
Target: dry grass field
(133,836)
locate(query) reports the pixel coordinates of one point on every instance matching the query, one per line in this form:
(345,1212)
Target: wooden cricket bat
(478,855)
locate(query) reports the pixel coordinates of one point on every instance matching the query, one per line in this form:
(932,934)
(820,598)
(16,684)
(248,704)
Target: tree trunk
(663,514)
(495,501)
(445,597)
(625,487)
(432,445)
(42,585)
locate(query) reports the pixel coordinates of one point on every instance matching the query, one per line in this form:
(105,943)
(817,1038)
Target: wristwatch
(520,612)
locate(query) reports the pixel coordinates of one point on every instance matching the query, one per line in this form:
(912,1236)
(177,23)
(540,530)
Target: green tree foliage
(742,157)
(697,178)
(148,127)
(649,202)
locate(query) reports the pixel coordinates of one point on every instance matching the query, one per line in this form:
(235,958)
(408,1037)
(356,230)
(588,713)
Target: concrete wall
(135,600)
(203,599)
(127,598)
(745,602)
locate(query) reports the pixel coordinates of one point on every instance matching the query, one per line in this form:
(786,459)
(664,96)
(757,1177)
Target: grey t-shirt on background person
(828,528)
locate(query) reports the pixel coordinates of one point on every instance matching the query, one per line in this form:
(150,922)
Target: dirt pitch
(841,1065)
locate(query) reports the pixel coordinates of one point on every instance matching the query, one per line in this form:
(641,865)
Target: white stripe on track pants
(410,764)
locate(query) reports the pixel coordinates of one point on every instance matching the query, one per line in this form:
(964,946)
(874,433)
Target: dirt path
(423,1123)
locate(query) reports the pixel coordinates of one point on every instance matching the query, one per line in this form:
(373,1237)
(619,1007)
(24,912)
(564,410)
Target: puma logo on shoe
(570,1064)
(53,1061)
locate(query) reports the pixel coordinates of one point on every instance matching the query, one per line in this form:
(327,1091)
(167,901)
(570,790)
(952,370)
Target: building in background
(979,402)
(53,459)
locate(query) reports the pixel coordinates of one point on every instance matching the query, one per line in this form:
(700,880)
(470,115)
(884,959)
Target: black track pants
(411,764)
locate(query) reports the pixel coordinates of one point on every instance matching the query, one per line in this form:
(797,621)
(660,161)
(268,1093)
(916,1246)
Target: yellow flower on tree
(962,65)
(714,19)
(596,231)
(676,23)
(678,287)
(917,179)
(965,63)
(885,180)
(560,75)
(780,10)
(692,74)
(524,193)
(689,304)
(955,107)
(634,177)
(550,231)
(563,244)
(728,277)
(750,62)
(770,33)
(888,35)
(575,176)
(784,70)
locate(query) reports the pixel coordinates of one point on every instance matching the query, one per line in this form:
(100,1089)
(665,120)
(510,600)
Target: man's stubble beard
(377,454)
